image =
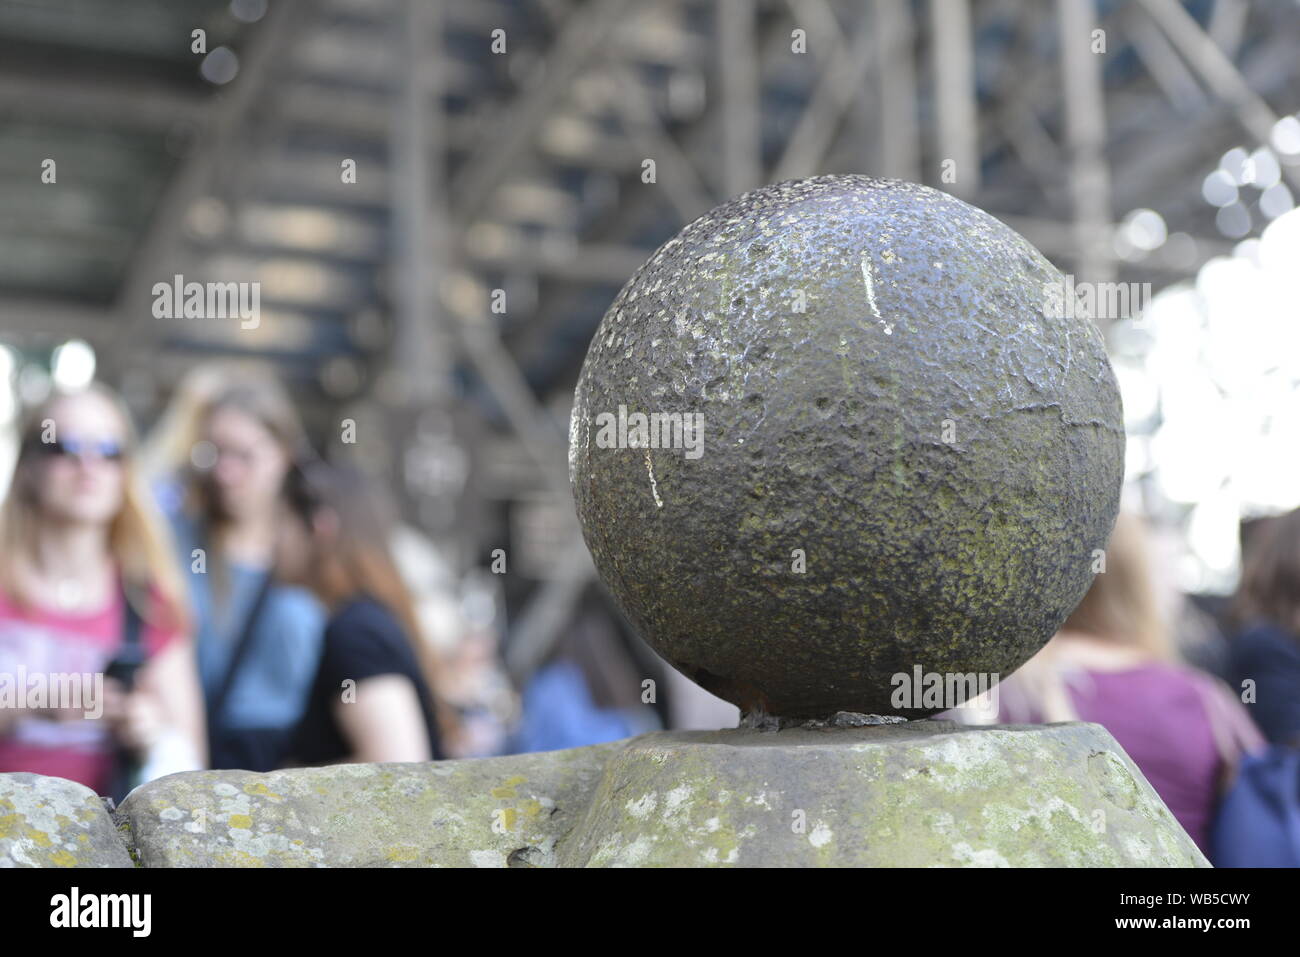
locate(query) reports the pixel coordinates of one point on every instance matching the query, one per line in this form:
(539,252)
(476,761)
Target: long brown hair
(137,536)
(1270,576)
(359,561)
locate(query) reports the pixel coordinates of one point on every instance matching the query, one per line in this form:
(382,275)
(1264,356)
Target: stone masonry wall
(917,794)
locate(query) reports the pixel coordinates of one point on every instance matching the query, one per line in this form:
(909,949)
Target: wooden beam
(675,173)
(837,87)
(1162,62)
(416,207)
(126,104)
(584,33)
(1227,24)
(900,133)
(1223,78)
(741,155)
(216,143)
(954,92)
(549,609)
(41,322)
(1085,129)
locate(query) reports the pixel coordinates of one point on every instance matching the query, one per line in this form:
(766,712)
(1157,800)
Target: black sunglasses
(109,449)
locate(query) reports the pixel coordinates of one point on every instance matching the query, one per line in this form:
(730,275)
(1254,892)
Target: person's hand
(136,719)
(113,702)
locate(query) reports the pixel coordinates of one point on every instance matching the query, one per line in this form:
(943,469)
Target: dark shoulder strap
(132,652)
(242,648)
(132,627)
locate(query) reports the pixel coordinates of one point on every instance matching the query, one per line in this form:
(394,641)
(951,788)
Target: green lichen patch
(919,795)
(487,812)
(51,822)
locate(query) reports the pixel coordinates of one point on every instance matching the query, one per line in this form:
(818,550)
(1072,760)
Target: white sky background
(1213,405)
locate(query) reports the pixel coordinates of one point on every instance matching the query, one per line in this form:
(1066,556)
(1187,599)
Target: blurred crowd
(243,603)
(248,604)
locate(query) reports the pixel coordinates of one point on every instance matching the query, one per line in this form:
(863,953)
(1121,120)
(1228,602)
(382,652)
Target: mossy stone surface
(490,812)
(885,400)
(52,822)
(922,794)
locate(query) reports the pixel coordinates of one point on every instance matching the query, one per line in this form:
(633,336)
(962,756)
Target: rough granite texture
(490,812)
(945,452)
(50,822)
(928,794)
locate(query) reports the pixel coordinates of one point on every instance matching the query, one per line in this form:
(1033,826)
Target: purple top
(1160,715)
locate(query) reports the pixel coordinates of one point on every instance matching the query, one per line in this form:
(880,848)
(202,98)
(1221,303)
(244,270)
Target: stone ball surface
(877,446)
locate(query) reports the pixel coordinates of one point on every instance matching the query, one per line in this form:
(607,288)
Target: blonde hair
(137,538)
(205,390)
(1122,606)
(1121,609)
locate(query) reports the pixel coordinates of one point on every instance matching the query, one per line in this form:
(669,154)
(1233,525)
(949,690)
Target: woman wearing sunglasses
(91,613)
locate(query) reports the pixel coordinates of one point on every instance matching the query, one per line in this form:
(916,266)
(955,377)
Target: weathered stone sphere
(907,463)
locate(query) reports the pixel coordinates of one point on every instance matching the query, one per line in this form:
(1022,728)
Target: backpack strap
(132,652)
(242,649)
(124,668)
(132,626)
(1234,735)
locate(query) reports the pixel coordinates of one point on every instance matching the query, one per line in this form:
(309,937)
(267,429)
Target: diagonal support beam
(1228,24)
(836,90)
(682,183)
(1162,62)
(1218,72)
(493,362)
(583,35)
(549,609)
(549,606)
(213,145)
(1035,147)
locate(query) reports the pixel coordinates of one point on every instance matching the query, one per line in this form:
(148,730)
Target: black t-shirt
(363,640)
